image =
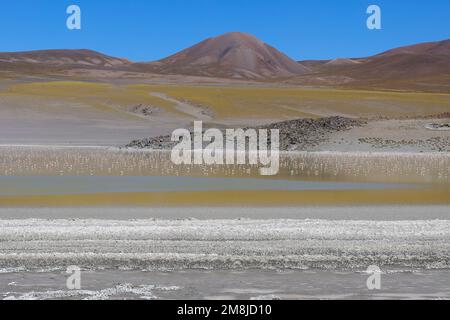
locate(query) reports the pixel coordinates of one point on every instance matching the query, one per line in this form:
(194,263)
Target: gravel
(295,135)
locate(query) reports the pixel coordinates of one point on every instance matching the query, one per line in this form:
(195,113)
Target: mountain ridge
(241,56)
(63,57)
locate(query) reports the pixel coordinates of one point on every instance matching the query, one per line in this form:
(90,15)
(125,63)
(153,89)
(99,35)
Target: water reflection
(353,167)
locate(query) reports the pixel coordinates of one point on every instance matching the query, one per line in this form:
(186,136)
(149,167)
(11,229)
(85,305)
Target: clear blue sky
(145,30)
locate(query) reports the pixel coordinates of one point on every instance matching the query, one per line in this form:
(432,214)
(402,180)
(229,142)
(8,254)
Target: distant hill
(62,57)
(431,48)
(232,55)
(57,61)
(422,67)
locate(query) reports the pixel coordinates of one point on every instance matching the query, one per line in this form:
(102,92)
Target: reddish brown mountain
(43,59)
(423,66)
(431,48)
(232,55)
(63,57)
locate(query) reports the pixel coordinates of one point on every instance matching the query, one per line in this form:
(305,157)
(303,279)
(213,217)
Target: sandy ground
(376,136)
(77,132)
(79,113)
(35,121)
(195,112)
(26,121)
(391,136)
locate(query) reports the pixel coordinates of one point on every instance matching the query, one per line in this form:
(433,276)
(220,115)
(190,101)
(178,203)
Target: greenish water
(56,185)
(426,168)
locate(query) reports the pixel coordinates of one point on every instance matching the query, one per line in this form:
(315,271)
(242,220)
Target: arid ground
(105,114)
(364,175)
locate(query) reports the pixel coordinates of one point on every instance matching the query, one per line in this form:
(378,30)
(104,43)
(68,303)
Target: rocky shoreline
(295,135)
(304,134)
(438,144)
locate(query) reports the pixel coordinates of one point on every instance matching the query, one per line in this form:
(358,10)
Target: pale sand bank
(239,244)
(226,253)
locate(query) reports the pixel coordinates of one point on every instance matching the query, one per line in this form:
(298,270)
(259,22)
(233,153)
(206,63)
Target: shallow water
(69,176)
(43,185)
(322,166)
(262,241)
(225,284)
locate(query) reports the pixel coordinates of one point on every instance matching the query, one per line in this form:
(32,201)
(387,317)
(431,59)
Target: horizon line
(204,39)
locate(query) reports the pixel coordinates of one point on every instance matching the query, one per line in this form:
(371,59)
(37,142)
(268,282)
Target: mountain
(63,57)
(232,55)
(424,66)
(50,60)
(431,48)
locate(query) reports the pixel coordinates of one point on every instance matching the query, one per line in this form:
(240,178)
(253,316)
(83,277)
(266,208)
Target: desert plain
(86,177)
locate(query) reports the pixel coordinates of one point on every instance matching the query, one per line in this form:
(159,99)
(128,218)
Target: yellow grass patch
(98,95)
(235,198)
(245,102)
(281,103)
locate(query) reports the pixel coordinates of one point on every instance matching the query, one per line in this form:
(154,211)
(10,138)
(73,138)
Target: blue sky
(145,30)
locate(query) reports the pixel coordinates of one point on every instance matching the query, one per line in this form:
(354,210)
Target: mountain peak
(237,36)
(234,55)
